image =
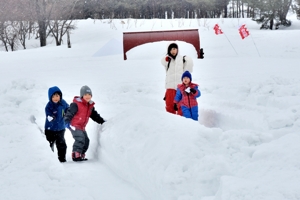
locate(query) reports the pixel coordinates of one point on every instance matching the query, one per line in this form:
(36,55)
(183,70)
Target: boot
(76,156)
(62,160)
(83,157)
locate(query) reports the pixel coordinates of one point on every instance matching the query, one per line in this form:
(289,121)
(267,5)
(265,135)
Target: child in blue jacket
(186,95)
(54,124)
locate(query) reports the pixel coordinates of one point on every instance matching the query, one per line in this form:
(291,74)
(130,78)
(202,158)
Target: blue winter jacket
(56,111)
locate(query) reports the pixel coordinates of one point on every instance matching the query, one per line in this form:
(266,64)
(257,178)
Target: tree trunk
(248,12)
(41,22)
(238,9)
(271,23)
(243,16)
(233,9)
(68,39)
(58,43)
(42,33)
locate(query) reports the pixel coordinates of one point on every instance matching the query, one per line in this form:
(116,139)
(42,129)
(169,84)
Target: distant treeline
(150,8)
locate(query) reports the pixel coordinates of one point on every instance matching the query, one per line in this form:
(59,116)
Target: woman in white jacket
(175,65)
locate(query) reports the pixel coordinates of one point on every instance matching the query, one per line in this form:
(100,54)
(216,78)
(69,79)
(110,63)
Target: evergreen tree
(297,8)
(274,12)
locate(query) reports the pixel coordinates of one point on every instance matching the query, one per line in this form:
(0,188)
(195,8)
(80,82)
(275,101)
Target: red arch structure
(133,39)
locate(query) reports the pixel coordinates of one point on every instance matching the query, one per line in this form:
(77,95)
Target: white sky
(244,147)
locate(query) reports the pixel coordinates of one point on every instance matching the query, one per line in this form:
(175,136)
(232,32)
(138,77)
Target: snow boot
(83,157)
(76,156)
(62,160)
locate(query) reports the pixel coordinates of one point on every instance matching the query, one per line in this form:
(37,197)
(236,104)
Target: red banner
(244,31)
(217,30)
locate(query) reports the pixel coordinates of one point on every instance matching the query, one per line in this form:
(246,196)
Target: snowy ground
(244,147)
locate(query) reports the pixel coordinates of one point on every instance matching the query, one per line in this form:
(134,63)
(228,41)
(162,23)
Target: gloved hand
(70,127)
(101,120)
(175,107)
(67,125)
(168,58)
(193,90)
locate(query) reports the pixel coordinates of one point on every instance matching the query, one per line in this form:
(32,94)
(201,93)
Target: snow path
(98,181)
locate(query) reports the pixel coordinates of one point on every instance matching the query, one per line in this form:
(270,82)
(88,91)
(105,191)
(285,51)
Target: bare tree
(43,9)
(61,22)
(22,28)
(3,38)
(10,35)
(3,18)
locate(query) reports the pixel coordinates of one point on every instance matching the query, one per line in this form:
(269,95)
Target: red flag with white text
(244,31)
(217,30)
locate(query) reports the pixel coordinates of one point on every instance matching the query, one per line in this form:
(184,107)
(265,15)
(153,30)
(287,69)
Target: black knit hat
(171,46)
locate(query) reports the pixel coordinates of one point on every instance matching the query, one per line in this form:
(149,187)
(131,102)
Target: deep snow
(244,147)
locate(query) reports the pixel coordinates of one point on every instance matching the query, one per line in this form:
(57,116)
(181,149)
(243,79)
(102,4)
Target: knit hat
(85,90)
(171,46)
(186,74)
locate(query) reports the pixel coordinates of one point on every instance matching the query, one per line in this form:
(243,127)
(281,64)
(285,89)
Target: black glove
(175,107)
(193,90)
(101,121)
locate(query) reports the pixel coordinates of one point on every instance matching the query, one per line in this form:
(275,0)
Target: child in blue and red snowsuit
(76,120)
(186,95)
(54,124)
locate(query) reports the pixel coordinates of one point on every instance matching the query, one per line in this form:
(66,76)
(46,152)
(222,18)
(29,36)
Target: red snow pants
(169,98)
